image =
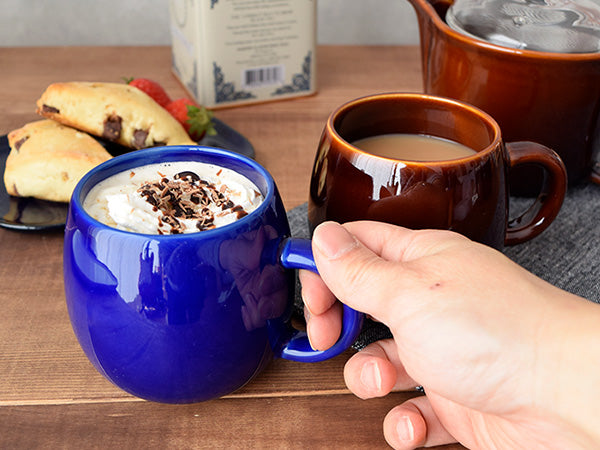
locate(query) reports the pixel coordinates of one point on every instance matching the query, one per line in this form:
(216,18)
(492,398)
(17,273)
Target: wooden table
(52,397)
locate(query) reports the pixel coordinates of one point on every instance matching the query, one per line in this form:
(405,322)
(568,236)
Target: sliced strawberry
(197,120)
(152,88)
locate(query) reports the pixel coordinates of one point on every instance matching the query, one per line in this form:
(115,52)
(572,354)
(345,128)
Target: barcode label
(263,76)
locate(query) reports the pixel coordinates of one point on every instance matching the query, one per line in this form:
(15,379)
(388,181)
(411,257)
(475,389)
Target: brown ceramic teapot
(550,98)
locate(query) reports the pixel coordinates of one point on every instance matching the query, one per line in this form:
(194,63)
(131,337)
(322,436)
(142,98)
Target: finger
(316,295)
(252,244)
(250,312)
(269,282)
(323,330)
(414,424)
(395,243)
(354,273)
(273,304)
(377,370)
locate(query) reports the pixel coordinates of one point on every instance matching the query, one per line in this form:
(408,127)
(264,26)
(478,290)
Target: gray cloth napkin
(566,255)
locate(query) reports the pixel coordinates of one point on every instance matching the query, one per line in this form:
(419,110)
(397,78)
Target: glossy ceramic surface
(549,98)
(468,195)
(187,318)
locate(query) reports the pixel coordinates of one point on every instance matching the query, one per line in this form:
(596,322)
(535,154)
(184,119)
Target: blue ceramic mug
(189,317)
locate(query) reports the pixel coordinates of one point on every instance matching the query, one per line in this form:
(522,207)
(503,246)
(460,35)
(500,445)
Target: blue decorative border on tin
(225,91)
(300,81)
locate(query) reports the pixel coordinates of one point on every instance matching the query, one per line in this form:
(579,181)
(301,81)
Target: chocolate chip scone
(113,111)
(47,159)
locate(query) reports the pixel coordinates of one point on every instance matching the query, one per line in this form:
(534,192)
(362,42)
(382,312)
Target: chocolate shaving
(240,211)
(187,196)
(206,220)
(187,174)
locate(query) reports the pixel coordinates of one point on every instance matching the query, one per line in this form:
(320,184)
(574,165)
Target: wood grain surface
(52,397)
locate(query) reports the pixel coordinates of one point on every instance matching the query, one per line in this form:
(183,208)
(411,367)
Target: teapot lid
(562,26)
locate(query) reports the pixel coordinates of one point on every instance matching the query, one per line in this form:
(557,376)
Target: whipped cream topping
(172,198)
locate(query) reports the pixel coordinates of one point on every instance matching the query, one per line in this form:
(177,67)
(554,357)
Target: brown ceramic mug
(468,195)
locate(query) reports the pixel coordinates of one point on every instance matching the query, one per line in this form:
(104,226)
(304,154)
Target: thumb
(355,274)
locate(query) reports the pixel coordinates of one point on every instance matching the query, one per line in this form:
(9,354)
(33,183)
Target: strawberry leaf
(200,121)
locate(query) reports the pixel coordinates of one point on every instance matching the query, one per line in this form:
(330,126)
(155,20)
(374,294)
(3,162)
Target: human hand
(478,332)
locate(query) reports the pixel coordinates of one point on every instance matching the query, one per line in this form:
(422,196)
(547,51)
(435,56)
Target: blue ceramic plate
(31,214)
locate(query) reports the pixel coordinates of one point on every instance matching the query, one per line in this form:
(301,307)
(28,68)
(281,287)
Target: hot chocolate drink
(172,198)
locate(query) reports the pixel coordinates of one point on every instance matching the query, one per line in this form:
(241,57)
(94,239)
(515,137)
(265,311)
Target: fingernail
(370,376)
(405,429)
(333,240)
(307,313)
(308,335)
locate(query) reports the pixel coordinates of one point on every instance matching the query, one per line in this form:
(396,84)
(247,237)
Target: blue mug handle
(297,253)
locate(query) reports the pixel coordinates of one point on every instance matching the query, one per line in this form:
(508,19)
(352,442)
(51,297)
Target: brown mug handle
(595,175)
(546,206)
